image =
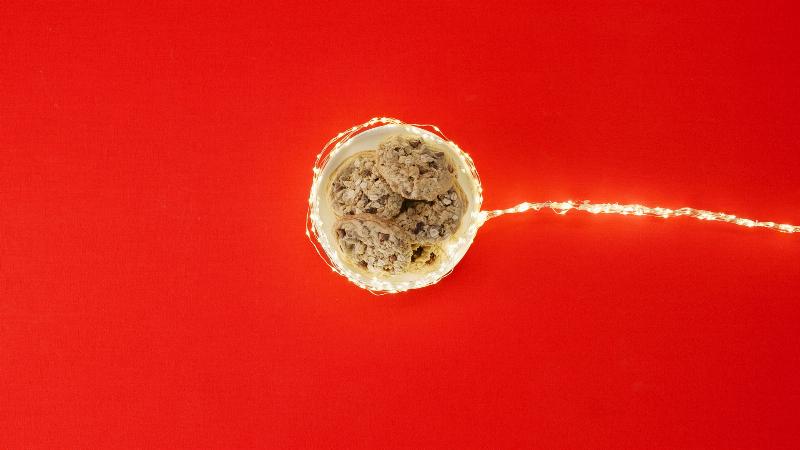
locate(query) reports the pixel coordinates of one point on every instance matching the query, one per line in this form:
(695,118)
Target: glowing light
(377,286)
(641,210)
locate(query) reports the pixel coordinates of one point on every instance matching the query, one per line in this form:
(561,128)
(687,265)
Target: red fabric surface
(157,290)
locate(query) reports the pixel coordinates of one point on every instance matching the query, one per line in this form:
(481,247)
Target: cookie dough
(424,257)
(432,221)
(414,169)
(377,247)
(358,188)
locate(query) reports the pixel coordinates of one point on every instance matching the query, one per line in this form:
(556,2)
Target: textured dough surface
(413,168)
(396,205)
(377,247)
(432,221)
(424,257)
(358,188)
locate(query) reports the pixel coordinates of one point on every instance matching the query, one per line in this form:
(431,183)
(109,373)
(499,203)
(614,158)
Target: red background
(157,291)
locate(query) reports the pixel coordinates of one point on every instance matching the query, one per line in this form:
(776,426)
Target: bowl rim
(319,215)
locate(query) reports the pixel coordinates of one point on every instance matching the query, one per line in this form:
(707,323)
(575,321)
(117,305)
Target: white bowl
(321,218)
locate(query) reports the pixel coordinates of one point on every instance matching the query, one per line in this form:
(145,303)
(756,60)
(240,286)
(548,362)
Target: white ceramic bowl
(321,218)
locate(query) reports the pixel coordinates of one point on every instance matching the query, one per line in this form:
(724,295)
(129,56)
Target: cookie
(432,221)
(378,247)
(414,169)
(358,188)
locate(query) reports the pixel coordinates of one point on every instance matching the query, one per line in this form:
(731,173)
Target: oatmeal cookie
(432,221)
(414,169)
(377,247)
(358,188)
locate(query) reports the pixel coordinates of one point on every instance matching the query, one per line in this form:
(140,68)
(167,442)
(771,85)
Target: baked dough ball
(413,169)
(378,247)
(432,221)
(358,188)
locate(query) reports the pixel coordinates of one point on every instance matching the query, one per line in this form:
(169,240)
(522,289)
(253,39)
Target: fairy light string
(641,210)
(327,253)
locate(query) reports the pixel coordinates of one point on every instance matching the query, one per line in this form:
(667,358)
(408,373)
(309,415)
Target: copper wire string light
(474,216)
(641,210)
